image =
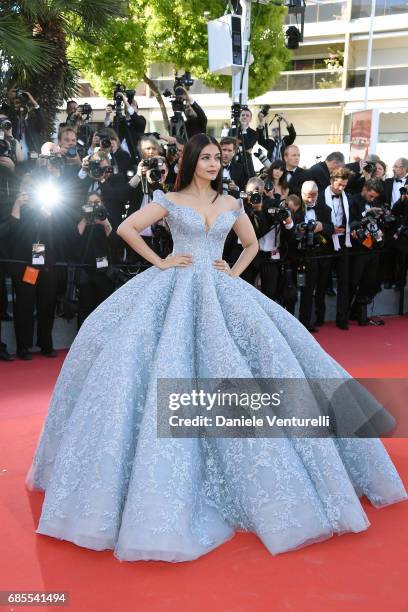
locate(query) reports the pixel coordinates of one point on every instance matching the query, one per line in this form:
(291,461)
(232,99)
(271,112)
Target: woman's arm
(129,230)
(246,233)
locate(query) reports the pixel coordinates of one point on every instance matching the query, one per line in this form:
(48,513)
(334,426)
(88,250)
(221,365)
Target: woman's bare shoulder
(230,202)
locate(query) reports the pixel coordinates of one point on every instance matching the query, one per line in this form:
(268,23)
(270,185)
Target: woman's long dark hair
(189,161)
(278,165)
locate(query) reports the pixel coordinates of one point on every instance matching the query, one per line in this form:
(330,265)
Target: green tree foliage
(34,38)
(175,32)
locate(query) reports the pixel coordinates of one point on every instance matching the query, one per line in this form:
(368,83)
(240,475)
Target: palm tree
(34,37)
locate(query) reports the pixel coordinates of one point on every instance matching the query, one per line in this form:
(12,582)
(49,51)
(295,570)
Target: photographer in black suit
(363,171)
(336,198)
(320,173)
(365,207)
(271,223)
(247,138)
(233,174)
(313,230)
(276,145)
(93,244)
(391,259)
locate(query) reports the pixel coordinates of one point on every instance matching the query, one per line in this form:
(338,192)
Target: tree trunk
(159,98)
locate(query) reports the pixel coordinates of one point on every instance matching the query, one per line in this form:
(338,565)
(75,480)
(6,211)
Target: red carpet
(354,572)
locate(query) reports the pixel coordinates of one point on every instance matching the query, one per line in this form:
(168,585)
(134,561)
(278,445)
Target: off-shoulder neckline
(207,229)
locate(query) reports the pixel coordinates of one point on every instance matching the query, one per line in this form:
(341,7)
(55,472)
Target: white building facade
(316,93)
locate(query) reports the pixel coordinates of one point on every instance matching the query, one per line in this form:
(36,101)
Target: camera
(94,212)
(369,167)
(280,212)
(104,140)
(403,190)
(154,166)
(55,160)
(171,150)
(120,89)
(265,109)
(21,95)
(177,96)
(85,110)
(254,197)
(5,124)
(368,226)
(96,170)
(5,149)
(268,185)
(309,239)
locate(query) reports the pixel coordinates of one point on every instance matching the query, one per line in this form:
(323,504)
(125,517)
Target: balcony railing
(198,87)
(313,79)
(362,8)
(328,11)
(379,77)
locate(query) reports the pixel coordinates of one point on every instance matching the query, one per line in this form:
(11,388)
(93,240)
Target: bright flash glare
(48,194)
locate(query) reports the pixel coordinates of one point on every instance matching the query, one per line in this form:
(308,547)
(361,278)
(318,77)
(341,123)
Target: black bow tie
(227,167)
(398,180)
(290,172)
(334,197)
(310,208)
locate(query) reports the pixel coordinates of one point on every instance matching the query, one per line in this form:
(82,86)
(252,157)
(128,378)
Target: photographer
(110,143)
(116,192)
(276,145)
(247,138)
(4,235)
(131,126)
(313,231)
(196,119)
(40,222)
(154,172)
(73,115)
(336,198)
(93,249)
(320,173)
(363,171)
(233,174)
(9,146)
(67,142)
(392,188)
(367,238)
(28,121)
(174,153)
(268,219)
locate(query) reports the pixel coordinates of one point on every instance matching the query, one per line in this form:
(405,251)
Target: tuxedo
(317,268)
(391,189)
(237,173)
(295,179)
(340,261)
(320,174)
(390,261)
(363,278)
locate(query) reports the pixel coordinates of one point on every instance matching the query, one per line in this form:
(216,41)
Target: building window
(362,8)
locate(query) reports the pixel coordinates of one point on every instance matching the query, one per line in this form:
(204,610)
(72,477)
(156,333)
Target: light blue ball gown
(111,483)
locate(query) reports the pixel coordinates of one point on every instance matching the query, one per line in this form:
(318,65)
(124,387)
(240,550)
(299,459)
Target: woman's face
(96,141)
(209,163)
(379,171)
(277,174)
(93,199)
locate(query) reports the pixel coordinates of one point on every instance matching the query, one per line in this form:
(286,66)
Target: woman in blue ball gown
(111,483)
